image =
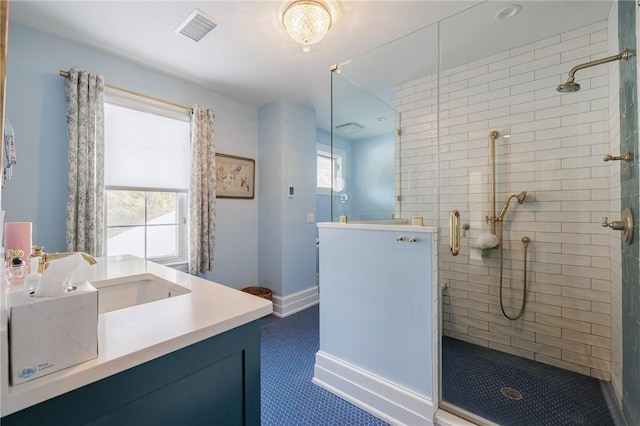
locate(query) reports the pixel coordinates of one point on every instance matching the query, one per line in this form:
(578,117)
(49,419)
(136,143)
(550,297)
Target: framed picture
(235,176)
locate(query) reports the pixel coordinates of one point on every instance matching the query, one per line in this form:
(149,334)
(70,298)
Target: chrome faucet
(45,258)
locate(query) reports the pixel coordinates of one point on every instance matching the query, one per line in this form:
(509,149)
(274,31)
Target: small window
(330,170)
(147,148)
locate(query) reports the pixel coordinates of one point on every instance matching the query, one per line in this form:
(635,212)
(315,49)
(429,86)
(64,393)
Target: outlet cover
(311,218)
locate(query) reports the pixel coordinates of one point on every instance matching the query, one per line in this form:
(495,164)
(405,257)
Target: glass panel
(126,240)
(375,89)
(162,241)
(125,208)
(324,171)
(529,198)
(514,150)
(363,150)
(162,208)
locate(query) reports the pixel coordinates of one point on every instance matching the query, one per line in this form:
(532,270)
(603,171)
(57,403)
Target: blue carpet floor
(288,353)
(473,376)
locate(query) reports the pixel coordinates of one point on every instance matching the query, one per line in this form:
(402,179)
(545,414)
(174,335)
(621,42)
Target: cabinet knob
(413,239)
(400,238)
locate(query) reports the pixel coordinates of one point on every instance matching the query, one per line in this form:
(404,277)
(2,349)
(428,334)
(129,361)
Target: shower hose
(525,241)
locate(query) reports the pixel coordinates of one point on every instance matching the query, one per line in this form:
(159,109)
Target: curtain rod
(119,89)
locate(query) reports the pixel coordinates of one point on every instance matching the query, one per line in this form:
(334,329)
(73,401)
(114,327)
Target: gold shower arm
(624,55)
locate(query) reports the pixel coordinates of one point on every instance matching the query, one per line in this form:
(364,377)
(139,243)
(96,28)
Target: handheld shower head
(520,197)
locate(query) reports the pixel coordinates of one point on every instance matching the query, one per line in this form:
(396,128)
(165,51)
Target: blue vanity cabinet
(212,382)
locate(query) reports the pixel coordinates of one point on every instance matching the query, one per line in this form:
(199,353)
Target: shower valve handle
(618,225)
(625,225)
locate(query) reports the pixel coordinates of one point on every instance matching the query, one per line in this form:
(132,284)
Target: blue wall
(287,241)
(270,205)
(375,307)
(372,161)
(35,103)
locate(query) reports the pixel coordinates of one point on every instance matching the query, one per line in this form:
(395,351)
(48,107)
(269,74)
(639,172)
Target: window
(330,169)
(147,149)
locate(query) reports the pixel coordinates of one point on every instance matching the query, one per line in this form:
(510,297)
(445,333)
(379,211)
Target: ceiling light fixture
(306,21)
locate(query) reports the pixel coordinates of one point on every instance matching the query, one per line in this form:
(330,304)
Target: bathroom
(551,146)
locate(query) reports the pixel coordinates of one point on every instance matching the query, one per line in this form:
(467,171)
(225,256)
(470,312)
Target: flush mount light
(508,12)
(306,21)
(349,128)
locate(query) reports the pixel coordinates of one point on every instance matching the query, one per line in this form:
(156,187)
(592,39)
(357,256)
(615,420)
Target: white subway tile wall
(554,152)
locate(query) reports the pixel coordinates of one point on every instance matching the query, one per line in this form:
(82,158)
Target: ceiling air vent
(196,26)
(349,128)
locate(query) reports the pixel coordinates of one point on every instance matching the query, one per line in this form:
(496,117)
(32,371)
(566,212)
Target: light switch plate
(311,218)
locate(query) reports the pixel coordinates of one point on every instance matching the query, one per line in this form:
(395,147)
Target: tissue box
(47,334)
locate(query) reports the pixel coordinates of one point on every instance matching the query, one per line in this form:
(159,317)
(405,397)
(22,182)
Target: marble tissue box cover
(48,334)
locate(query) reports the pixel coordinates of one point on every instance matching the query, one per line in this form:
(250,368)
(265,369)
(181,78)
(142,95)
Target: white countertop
(377,226)
(135,335)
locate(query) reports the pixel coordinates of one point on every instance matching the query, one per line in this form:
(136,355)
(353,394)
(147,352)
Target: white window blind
(146,150)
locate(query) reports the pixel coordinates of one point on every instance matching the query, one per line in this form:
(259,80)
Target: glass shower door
(527,301)
(511,173)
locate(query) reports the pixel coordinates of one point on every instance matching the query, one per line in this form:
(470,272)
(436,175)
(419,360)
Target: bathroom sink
(133,290)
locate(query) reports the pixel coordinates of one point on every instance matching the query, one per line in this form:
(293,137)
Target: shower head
(568,87)
(520,197)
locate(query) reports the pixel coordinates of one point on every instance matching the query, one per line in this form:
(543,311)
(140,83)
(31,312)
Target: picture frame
(235,177)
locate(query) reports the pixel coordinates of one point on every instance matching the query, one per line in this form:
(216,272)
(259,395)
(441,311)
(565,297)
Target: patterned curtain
(202,191)
(85,131)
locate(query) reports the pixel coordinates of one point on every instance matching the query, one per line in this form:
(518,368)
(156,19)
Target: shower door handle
(454,232)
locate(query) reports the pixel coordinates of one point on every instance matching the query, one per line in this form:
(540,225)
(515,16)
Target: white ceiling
(250,57)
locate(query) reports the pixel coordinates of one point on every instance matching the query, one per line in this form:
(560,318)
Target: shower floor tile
(473,377)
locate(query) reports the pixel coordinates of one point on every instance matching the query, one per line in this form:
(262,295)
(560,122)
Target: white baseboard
(296,302)
(384,399)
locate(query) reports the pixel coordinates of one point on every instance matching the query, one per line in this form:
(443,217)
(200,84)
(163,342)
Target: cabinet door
(212,382)
(212,395)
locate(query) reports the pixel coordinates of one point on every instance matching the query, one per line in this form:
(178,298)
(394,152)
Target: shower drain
(511,393)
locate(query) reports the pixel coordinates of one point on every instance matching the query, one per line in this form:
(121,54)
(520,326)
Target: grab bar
(454,232)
